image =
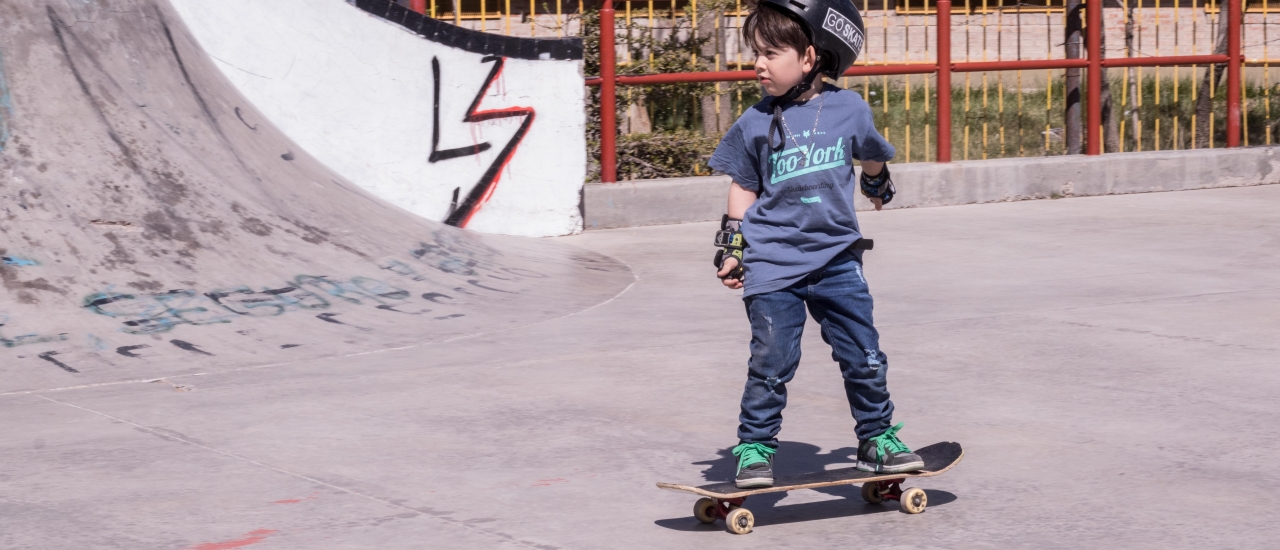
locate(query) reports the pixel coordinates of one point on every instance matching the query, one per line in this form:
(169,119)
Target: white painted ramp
(477,130)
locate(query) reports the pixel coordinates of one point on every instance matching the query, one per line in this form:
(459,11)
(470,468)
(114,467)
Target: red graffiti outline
(484,189)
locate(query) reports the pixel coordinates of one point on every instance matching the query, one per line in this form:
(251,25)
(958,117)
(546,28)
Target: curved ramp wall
(474,129)
(153,222)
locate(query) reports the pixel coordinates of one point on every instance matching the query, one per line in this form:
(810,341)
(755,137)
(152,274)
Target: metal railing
(992,39)
(943,68)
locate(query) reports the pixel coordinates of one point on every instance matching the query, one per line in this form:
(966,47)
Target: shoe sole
(756,483)
(899,469)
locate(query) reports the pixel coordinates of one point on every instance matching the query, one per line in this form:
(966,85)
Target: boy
(791,236)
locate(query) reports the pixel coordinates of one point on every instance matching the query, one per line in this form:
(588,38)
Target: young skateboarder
(791,236)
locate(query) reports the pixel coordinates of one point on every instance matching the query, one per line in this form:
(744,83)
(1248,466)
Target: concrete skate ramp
(154,223)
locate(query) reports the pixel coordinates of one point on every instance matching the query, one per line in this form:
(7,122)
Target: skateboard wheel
(871,493)
(740,521)
(705,510)
(913,500)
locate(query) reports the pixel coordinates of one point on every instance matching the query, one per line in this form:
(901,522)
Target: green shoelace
(751,453)
(889,440)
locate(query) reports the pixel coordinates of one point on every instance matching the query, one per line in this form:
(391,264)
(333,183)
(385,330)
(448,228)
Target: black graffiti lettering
(432,297)
(99,300)
(329,318)
(460,216)
(453,204)
(449,316)
(524,272)
(240,116)
(436,154)
(218,295)
(393,308)
(475,282)
(48,356)
(189,347)
(127,351)
(268,302)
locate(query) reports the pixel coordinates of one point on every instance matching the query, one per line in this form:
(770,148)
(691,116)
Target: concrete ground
(1109,364)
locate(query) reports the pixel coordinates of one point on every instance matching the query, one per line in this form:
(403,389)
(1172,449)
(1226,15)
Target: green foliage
(674,110)
(665,155)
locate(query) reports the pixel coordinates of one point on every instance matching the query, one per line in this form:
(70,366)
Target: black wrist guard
(729,239)
(878,186)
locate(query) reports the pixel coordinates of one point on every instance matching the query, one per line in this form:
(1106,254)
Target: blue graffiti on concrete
(161,312)
(156,313)
(25,339)
(17,262)
(6,107)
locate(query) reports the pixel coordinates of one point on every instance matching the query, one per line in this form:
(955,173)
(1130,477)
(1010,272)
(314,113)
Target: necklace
(813,136)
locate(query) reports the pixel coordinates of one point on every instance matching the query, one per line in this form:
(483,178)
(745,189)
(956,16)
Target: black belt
(862,244)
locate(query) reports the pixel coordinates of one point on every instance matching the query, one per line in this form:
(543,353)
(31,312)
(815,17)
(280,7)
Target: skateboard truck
(736,518)
(912,501)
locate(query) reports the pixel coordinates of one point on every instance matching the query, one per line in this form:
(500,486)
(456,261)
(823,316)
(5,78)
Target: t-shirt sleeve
(733,158)
(866,143)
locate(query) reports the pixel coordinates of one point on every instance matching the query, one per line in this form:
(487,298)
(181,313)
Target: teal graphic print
(791,163)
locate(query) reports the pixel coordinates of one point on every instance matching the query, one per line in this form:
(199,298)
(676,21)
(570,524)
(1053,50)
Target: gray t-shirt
(804,216)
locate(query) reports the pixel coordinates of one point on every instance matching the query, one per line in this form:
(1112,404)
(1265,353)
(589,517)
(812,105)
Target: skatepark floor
(1108,363)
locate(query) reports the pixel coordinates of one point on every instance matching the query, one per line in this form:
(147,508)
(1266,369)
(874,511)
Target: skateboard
(725,501)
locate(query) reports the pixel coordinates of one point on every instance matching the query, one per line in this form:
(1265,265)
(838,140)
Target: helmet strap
(796,91)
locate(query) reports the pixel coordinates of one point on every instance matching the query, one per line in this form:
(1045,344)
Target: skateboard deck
(725,500)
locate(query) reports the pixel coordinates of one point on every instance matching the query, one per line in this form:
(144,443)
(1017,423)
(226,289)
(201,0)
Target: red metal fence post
(1235,54)
(944,80)
(1093,43)
(419,6)
(608,98)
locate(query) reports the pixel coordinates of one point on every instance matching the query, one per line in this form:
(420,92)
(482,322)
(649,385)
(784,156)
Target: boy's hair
(767,27)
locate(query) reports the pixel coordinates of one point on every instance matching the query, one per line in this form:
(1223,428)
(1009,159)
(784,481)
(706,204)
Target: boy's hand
(729,265)
(877,202)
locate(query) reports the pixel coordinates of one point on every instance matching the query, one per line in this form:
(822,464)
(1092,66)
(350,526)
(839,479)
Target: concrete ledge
(686,200)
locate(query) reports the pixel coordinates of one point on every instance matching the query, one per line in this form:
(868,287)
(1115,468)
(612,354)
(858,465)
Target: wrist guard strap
(731,242)
(879,186)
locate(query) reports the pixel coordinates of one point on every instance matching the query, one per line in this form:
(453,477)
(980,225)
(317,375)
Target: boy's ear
(810,59)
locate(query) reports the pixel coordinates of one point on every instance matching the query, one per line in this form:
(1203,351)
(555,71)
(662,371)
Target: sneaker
(755,465)
(886,454)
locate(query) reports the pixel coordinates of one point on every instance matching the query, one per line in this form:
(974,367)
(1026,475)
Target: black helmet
(834,26)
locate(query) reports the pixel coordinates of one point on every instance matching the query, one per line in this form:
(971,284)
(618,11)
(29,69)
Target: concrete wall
(357,91)
(683,200)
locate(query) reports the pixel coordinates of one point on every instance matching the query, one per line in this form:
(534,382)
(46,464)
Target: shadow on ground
(795,458)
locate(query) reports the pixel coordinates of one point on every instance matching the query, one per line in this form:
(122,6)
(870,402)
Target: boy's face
(778,68)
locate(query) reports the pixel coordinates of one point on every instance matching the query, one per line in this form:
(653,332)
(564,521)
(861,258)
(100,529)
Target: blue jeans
(838,298)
